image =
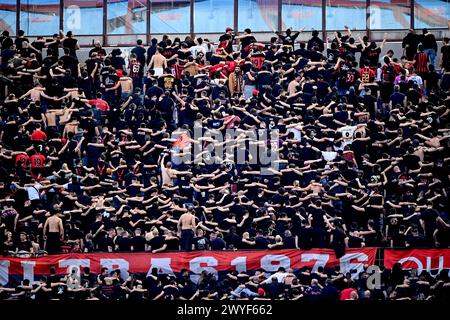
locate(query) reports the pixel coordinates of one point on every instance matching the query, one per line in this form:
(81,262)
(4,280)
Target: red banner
(15,269)
(421,259)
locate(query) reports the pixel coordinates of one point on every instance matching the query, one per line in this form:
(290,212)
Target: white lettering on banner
(374,279)
(4,272)
(113,264)
(440,267)
(321,259)
(195,265)
(428,268)
(240,263)
(28,271)
(267,262)
(347,265)
(162,264)
(74,263)
(413,259)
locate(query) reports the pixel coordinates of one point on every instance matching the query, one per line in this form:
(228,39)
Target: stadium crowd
(303,285)
(87,147)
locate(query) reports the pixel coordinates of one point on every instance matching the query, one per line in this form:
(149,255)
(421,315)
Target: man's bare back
(50,115)
(126,84)
(35,94)
(53,223)
(187,221)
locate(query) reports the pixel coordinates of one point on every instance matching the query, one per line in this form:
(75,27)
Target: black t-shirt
(173,244)
(19,42)
(201,243)
(75,234)
(261,243)
(229,38)
(54,47)
(373,55)
(315,42)
(87,280)
(445,50)
(217,244)
(71,44)
(215,123)
(245,42)
(332,55)
(412,161)
(69,62)
(156,242)
(432,80)
(138,243)
(289,242)
(429,217)
(105,243)
(117,62)
(354,242)
(318,215)
(413,96)
(109,79)
(124,244)
(23,246)
(140,54)
(264,79)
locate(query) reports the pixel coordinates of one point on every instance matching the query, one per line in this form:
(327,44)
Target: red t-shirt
(25,158)
(37,161)
(345,294)
(217,68)
(257,61)
(99,104)
(366,75)
(38,135)
(232,121)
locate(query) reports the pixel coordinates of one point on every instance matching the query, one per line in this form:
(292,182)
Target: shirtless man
(126,86)
(292,87)
(73,93)
(158,63)
(36,93)
(186,229)
(53,233)
(71,127)
(64,117)
(168,174)
(50,117)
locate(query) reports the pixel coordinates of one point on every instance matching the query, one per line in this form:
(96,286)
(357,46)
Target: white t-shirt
(329,155)
(297,134)
(205,46)
(347,133)
(195,50)
(417,80)
(279,275)
(33,192)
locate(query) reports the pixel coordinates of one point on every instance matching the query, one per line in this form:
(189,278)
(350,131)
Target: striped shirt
(421,59)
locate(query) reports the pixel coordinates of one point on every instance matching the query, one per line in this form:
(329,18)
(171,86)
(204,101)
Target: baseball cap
(228,29)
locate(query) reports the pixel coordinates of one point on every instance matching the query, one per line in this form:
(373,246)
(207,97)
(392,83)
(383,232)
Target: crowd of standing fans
(303,285)
(86,147)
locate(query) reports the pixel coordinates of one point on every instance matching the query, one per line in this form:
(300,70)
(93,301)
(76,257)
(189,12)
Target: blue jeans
(431,54)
